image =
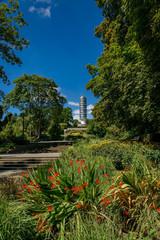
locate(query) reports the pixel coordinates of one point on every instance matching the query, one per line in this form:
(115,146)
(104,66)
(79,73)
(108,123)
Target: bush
(94,128)
(55,131)
(123,153)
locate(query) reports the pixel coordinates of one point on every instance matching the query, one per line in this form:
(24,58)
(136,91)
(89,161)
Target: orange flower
(51,178)
(53,185)
(82,162)
(86,168)
(77,161)
(97,181)
(158,184)
(126,212)
(49,208)
(78,205)
(106,175)
(158,209)
(71,163)
(85,184)
(98,219)
(66,189)
(50,169)
(31,183)
(39,229)
(102,166)
(23,174)
(120,184)
(152,205)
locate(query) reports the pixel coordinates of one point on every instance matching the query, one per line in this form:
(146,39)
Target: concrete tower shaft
(83,109)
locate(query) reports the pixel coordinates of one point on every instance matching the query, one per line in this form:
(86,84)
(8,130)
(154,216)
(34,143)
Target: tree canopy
(126,77)
(38,97)
(11,20)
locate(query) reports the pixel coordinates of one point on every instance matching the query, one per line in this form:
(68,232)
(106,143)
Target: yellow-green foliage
(123,153)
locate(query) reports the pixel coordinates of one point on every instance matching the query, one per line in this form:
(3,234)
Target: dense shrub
(123,153)
(95,129)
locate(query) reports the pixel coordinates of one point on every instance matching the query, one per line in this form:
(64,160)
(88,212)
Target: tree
(38,97)
(124,79)
(95,129)
(66,116)
(75,123)
(11,20)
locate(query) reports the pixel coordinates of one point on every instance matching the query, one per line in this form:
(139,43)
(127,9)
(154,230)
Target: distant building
(83,109)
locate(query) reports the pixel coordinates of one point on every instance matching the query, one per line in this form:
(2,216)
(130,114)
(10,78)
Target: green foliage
(11,20)
(75,123)
(94,128)
(113,132)
(75,134)
(39,98)
(13,221)
(123,153)
(136,196)
(82,196)
(12,129)
(66,116)
(5,146)
(126,76)
(54,130)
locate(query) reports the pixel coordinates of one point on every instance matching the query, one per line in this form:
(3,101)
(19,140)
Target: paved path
(24,157)
(28,155)
(15,164)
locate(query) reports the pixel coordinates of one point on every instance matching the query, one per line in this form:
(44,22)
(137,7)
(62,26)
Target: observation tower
(83,109)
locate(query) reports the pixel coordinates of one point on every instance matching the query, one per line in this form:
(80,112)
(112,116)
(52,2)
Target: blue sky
(62,42)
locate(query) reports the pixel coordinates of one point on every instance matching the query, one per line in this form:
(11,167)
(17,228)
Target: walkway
(30,156)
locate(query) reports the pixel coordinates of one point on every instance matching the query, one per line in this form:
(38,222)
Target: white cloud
(76,117)
(76,111)
(90,107)
(73,103)
(63,95)
(43,12)
(58,89)
(89,112)
(44,1)
(32,9)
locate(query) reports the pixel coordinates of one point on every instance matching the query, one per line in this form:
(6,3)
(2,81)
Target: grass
(88,194)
